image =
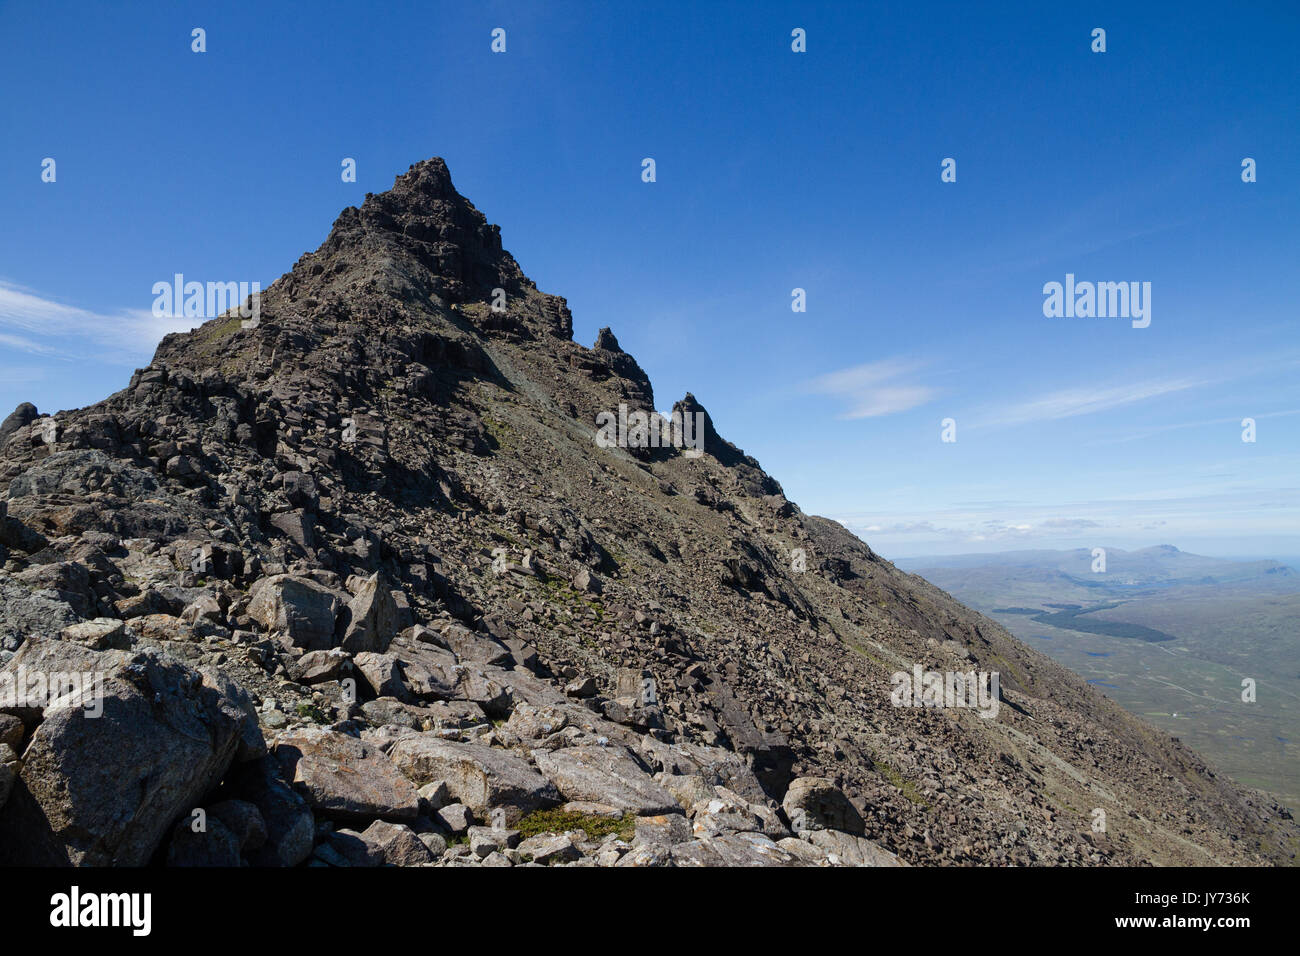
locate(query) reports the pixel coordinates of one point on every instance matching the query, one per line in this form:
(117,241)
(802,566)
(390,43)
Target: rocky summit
(353,583)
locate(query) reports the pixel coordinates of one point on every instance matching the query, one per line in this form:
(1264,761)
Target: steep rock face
(395,470)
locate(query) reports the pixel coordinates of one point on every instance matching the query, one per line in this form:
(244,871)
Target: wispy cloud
(904,527)
(1068,524)
(1234,420)
(1072,402)
(1174,514)
(39,326)
(874,389)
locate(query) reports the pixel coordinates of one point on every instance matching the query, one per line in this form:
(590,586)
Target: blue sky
(775,170)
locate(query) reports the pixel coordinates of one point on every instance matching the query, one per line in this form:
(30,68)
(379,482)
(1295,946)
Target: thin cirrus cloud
(874,388)
(1072,402)
(42,327)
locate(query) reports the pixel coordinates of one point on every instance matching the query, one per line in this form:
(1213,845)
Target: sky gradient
(776,170)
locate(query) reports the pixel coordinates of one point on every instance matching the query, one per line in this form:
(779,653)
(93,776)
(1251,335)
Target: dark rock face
(375,536)
(20,417)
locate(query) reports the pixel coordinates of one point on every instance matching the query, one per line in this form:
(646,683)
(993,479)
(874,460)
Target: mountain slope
(382,418)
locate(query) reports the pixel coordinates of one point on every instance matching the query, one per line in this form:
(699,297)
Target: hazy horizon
(1291,560)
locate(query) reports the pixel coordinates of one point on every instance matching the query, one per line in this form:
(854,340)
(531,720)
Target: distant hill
(1160,566)
(1171,635)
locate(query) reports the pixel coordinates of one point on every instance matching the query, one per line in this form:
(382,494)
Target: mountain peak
(429,176)
(429,234)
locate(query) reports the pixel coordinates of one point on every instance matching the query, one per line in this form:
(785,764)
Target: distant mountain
(1159,566)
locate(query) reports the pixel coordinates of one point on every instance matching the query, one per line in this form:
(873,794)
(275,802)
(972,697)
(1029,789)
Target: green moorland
(1169,635)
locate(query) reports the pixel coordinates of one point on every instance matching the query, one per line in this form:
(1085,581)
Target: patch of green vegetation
(1072,620)
(1005,666)
(558,821)
(861,649)
(562,593)
(209,337)
(902,785)
(495,425)
(312,712)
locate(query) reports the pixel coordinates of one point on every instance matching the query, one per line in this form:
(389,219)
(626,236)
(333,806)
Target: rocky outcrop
(364,590)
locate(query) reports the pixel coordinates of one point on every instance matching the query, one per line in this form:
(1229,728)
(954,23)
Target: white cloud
(55,330)
(870,390)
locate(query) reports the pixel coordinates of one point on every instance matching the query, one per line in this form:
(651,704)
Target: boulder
(342,776)
(318,667)
(11,731)
(455,818)
(429,673)
(68,580)
(299,607)
(471,647)
(7,778)
(725,812)
(608,775)
(665,829)
(478,777)
(20,417)
(25,613)
(208,843)
(100,634)
(845,849)
(484,841)
(251,745)
(102,784)
(244,820)
(370,621)
(287,820)
(733,849)
(382,674)
(548,848)
(347,848)
(814,803)
(398,845)
(483,687)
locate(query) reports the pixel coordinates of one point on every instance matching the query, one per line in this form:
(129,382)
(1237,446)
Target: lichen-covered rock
(608,775)
(110,767)
(299,607)
(342,776)
(478,777)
